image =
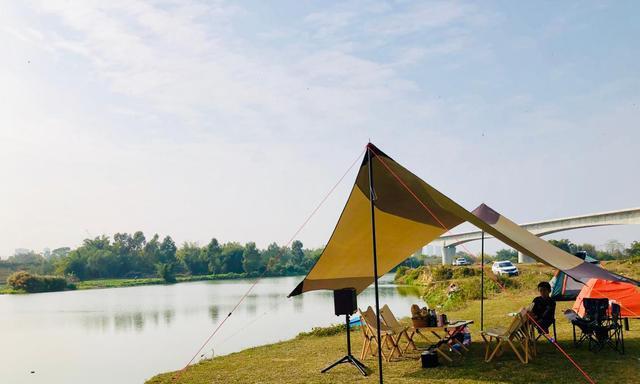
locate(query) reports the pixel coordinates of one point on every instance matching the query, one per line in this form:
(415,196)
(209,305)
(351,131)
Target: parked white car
(461,261)
(504,268)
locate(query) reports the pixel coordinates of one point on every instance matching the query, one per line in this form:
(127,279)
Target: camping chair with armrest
(615,327)
(387,336)
(592,326)
(516,333)
(392,322)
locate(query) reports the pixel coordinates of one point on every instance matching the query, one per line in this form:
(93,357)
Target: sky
(234,119)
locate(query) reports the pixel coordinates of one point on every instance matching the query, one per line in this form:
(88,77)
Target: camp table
(450,329)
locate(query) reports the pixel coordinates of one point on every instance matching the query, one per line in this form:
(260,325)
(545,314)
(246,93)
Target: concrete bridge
(541,228)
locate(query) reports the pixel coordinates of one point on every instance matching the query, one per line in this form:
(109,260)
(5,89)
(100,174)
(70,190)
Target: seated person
(544,307)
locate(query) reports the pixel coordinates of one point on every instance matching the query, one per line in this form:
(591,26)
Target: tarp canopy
(409,213)
(627,295)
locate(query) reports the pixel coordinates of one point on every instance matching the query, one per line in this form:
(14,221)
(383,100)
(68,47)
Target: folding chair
(387,336)
(615,328)
(516,335)
(392,322)
(593,324)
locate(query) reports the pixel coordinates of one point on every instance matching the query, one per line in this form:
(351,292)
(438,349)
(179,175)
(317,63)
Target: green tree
(193,257)
(212,253)
(566,245)
(60,252)
(231,258)
(73,264)
(251,258)
(151,253)
(297,253)
(167,251)
(633,251)
(506,254)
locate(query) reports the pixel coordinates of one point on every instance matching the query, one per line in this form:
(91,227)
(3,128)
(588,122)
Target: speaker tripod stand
(348,358)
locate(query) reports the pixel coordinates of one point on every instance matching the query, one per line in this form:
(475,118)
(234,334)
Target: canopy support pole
(375,260)
(482,283)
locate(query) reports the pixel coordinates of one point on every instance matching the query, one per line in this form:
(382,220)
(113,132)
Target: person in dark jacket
(544,307)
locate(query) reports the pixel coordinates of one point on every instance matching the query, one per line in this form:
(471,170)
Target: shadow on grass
(549,366)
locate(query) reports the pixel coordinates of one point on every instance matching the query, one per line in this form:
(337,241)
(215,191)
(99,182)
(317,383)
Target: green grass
(300,360)
(7,290)
(117,283)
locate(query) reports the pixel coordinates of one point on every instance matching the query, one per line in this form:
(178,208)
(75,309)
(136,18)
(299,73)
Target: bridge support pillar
(524,259)
(448,254)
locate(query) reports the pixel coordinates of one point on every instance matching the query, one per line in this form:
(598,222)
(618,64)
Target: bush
(400,272)
(325,331)
(24,281)
(166,272)
(461,272)
(442,272)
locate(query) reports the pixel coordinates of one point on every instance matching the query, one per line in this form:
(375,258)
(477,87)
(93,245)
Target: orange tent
(627,295)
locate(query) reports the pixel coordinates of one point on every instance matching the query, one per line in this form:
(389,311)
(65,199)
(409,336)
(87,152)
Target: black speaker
(345,301)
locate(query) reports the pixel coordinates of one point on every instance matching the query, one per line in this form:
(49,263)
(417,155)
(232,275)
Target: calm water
(127,335)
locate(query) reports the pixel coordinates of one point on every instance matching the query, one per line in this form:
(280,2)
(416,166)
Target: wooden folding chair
(518,332)
(387,336)
(402,330)
(369,338)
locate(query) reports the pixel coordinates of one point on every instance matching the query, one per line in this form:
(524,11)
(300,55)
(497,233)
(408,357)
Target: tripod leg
(358,365)
(342,360)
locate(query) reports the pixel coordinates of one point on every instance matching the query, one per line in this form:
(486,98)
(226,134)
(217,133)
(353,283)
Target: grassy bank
(120,283)
(433,281)
(299,360)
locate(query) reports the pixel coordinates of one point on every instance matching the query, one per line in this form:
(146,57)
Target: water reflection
(214,313)
(298,304)
(250,304)
(125,321)
(409,291)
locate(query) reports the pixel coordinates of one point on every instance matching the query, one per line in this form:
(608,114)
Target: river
(127,335)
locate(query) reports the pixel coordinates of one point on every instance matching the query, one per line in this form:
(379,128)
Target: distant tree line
(133,255)
(612,250)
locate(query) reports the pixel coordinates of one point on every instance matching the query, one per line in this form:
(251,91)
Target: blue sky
(201,119)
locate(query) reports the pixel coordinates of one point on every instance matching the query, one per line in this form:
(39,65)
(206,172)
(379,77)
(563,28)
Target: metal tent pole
(482,284)
(375,260)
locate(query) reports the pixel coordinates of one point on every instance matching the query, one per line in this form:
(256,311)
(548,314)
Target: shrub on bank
(325,331)
(24,281)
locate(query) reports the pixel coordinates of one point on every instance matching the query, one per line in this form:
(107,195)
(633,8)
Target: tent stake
(375,261)
(482,283)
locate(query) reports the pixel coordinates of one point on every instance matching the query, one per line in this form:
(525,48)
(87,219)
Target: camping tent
(563,287)
(627,295)
(410,213)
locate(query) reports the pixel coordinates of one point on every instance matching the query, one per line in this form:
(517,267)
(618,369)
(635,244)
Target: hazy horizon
(227,120)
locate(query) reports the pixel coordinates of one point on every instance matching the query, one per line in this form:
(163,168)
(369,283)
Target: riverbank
(121,283)
(299,360)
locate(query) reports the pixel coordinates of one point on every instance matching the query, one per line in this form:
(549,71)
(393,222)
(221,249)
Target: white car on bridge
(506,267)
